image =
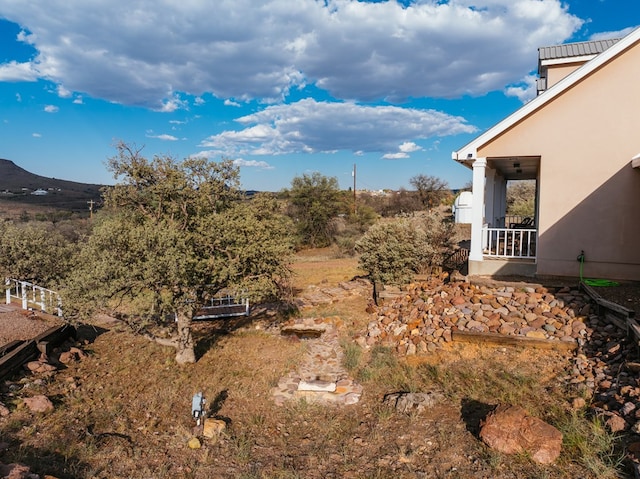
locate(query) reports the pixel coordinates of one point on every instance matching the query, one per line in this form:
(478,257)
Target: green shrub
(392,252)
(521,198)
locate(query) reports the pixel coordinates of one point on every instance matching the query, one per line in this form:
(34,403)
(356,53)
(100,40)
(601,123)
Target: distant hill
(18,185)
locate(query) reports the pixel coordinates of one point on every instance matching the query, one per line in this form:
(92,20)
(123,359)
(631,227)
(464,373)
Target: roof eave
(470,150)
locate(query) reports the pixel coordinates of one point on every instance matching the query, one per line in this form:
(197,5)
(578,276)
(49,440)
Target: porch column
(477,209)
(500,198)
(489,197)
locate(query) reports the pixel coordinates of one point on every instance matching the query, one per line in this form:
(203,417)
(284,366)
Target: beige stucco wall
(555,73)
(588,191)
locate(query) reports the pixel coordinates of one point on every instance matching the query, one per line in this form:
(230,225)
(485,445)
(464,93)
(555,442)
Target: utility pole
(355,207)
(90,203)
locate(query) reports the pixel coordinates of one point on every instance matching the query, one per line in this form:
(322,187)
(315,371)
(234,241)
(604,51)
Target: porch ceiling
(516,167)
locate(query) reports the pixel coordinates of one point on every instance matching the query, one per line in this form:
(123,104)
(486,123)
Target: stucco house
(579,139)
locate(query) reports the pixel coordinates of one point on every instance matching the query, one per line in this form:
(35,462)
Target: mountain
(18,185)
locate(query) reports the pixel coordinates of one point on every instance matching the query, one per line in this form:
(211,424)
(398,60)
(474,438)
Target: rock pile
(427,314)
(605,371)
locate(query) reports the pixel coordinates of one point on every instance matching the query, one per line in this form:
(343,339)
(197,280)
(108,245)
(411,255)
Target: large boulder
(510,429)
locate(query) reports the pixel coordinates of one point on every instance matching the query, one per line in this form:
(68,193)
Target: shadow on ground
(473,413)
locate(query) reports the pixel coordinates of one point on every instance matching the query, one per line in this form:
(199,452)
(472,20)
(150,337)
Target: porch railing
(509,243)
(31,295)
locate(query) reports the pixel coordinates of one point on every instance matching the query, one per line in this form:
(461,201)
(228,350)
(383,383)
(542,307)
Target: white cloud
(245,49)
(231,103)
(78,100)
(163,137)
(36,135)
(309,126)
(51,109)
(404,150)
(263,165)
(63,92)
(395,156)
(409,147)
(614,34)
(18,98)
(17,72)
(172,104)
(525,91)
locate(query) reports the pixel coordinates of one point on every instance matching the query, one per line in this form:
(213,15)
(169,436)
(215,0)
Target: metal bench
(223,307)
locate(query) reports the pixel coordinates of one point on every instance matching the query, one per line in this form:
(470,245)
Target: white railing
(31,295)
(509,243)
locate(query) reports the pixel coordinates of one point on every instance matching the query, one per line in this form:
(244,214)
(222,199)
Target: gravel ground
(627,295)
(19,324)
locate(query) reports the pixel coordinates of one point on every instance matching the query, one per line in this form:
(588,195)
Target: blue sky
(281,87)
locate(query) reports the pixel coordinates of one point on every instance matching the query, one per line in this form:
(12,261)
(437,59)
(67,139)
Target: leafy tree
(36,253)
(315,200)
(431,189)
(349,229)
(521,198)
(171,235)
(393,251)
(401,202)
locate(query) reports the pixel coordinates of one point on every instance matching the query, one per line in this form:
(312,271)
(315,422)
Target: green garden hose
(593,282)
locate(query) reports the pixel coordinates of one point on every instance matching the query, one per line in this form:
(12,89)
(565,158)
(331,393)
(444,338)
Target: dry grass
(124,412)
(323,266)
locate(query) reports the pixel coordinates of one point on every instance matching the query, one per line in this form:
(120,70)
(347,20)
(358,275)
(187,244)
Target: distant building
(40,192)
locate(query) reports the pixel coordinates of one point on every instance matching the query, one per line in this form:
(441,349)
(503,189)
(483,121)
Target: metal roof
(579,49)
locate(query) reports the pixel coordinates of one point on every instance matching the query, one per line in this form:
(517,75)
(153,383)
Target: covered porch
(501,244)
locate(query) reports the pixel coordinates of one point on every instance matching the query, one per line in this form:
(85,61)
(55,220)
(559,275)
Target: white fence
(32,296)
(509,243)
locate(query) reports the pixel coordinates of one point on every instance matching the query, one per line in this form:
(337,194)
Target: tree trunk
(185,353)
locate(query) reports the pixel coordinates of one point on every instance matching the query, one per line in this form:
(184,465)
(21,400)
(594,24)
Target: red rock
(507,329)
(15,471)
(616,423)
(38,404)
(509,429)
(458,300)
(538,322)
(39,367)
(578,403)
